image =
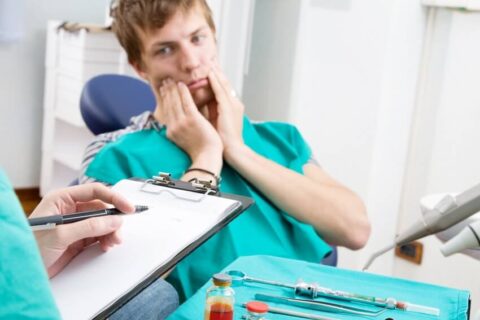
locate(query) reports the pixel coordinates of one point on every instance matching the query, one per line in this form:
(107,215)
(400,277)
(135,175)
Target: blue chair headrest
(109,101)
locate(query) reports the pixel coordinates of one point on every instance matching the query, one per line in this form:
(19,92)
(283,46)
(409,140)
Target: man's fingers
(162,94)
(222,79)
(222,91)
(223,82)
(187,99)
(213,112)
(204,111)
(173,100)
(217,88)
(89,228)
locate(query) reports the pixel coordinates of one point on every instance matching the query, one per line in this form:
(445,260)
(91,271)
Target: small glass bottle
(220,298)
(256,311)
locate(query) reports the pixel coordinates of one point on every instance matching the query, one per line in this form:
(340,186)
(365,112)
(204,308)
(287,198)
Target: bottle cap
(257,307)
(222,279)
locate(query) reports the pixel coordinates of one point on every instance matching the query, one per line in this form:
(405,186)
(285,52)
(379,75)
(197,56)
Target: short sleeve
(24,287)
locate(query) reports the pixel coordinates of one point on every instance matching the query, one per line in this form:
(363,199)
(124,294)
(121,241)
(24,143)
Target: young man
(199,131)
(24,288)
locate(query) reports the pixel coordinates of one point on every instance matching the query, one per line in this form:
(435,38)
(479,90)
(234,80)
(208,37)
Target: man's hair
(133,16)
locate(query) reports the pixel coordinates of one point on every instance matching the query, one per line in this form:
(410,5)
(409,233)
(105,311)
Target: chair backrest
(108,101)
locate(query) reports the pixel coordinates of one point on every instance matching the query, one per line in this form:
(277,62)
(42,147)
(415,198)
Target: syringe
(313,291)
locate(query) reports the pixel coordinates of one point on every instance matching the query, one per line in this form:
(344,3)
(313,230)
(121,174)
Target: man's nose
(189,59)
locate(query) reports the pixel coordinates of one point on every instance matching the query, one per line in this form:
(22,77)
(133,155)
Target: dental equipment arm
(468,238)
(449,211)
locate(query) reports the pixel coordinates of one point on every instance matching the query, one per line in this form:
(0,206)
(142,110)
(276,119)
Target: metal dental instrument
(296,314)
(239,277)
(319,305)
(313,290)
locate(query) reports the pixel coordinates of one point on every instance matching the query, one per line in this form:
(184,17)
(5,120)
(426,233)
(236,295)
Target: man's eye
(197,39)
(164,51)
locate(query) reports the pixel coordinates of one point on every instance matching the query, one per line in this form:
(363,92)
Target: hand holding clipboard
(152,244)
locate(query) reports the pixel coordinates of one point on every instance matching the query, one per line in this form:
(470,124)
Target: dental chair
(108,101)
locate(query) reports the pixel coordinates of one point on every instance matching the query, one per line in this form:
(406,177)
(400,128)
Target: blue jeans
(155,302)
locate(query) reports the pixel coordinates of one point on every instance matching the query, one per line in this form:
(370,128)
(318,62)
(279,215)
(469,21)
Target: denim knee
(155,302)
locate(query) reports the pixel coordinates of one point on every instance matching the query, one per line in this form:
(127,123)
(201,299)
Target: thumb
(89,228)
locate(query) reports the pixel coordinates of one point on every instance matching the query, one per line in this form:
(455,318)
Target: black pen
(49,222)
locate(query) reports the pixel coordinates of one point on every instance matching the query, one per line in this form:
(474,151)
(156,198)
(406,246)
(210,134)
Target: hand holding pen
(50,222)
(60,245)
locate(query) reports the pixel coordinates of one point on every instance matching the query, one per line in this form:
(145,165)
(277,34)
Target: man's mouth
(196,84)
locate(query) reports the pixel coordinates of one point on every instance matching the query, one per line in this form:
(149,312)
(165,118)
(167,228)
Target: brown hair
(133,16)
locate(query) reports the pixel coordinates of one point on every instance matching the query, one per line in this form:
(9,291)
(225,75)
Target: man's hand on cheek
(186,126)
(230,110)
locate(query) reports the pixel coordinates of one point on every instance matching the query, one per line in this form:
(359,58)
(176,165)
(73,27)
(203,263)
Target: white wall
(22,81)
(345,73)
(267,84)
(358,71)
(233,22)
(446,157)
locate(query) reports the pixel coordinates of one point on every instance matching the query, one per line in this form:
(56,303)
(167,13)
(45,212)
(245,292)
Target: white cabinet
(72,58)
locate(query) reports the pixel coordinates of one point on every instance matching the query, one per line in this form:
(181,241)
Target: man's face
(184,49)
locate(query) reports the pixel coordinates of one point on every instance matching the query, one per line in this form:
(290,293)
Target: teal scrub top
(262,229)
(24,287)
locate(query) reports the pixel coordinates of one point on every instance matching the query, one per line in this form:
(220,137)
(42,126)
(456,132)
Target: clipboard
(74,282)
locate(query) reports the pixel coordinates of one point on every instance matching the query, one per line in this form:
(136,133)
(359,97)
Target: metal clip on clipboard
(164,179)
